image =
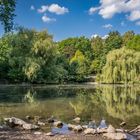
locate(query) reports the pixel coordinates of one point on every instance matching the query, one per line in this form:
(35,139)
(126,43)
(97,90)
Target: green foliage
(134,43)
(113,41)
(31,56)
(122,66)
(76,54)
(127,37)
(98,50)
(78,66)
(7,8)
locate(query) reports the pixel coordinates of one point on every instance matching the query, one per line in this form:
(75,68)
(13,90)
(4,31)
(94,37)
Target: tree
(113,41)
(98,48)
(127,37)
(78,66)
(7,8)
(134,43)
(69,46)
(122,66)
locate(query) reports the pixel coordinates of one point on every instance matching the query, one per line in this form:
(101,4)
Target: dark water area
(89,102)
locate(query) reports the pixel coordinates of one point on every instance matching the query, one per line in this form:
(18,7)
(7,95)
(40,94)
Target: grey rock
(90,131)
(14,121)
(50,134)
(122,123)
(115,136)
(111,129)
(71,126)
(78,128)
(77,120)
(27,126)
(58,124)
(37,133)
(92,124)
(102,124)
(41,123)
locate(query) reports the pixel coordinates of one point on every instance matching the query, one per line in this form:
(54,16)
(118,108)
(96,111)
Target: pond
(89,102)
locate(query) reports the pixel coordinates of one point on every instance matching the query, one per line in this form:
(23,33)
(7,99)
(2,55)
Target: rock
(51,120)
(37,133)
(101,130)
(50,134)
(136,130)
(89,131)
(37,118)
(41,123)
(102,124)
(115,136)
(111,129)
(138,137)
(28,117)
(85,126)
(78,128)
(122,123)
(92,124)
(27,126)
(4,127)
(120,130)
(71,126)
(77,120)
(14,121)
(58,124)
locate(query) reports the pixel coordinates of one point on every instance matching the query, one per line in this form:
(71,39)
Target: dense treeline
(31,56)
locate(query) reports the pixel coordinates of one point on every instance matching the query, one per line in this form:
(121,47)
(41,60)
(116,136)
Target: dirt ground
(27,135)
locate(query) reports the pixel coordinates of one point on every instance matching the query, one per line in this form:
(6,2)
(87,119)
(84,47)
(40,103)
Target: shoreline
(15,129)
(27,135)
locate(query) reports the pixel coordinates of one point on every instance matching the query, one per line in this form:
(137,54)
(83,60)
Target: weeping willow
(122,66)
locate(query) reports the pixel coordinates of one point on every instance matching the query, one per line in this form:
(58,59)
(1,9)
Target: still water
(112,103)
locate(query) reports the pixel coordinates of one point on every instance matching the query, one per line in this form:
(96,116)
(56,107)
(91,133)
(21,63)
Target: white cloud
(53,8)
(138,23)
(108,8)
(47,19)
(94,35)
(108,26)
(93,10)
(105,36)
(43,9)
(32,7)
(134,15)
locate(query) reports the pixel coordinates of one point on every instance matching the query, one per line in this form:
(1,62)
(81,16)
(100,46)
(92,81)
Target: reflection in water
(30,97)
(122,103)
(112,103)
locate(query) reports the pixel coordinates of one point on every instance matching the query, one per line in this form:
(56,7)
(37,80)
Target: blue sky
(69,18)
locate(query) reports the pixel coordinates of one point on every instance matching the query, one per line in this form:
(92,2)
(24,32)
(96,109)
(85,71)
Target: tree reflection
(121,102)
(108,101)
(29,97)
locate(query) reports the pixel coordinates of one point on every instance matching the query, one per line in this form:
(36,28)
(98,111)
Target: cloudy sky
(68,18)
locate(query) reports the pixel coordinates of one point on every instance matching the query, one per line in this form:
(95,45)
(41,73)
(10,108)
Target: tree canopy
(7,8)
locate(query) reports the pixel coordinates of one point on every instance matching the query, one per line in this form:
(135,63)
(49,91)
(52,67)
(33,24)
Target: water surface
(112,103)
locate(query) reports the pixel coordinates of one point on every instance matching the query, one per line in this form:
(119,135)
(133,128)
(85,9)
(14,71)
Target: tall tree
(114,41)
(127,37)
(7,8)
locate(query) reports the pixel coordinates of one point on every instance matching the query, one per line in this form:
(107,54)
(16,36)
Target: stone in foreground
(78,128)
(58,124)
(27,126)
(115,136)
(77,120)
(89,131)
(50,134)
